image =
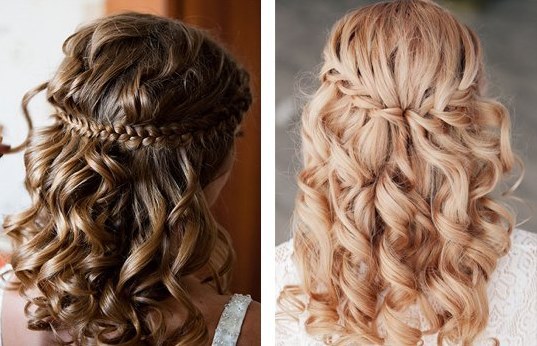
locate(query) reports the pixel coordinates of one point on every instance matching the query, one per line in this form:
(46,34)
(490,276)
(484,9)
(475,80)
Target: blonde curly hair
(401,152)
(146,113)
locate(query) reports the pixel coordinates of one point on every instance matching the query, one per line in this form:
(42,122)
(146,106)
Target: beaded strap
(229,327)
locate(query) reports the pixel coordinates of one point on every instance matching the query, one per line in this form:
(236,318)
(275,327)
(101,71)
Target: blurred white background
(31,37)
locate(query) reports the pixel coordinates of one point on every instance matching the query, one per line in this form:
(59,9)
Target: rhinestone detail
(229,327)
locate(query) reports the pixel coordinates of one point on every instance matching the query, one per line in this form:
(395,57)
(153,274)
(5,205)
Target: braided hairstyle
(401,153)
(145,115)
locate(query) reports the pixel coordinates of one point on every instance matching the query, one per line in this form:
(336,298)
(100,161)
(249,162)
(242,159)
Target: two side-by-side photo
(268,172)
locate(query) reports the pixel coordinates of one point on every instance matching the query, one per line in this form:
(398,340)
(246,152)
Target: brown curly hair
(145,113)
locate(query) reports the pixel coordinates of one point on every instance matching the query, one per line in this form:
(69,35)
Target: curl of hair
(146,110)
(401,152)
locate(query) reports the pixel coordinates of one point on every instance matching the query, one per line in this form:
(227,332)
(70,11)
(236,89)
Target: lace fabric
(512,293)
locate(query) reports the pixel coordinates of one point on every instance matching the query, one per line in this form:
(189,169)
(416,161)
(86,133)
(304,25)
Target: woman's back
(230,319)
(512,293)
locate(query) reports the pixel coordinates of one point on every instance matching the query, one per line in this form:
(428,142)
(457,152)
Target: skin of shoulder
(204,297)
(14,319)
(251,326)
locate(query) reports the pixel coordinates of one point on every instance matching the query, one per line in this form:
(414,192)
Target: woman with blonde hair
(397,236)
(119,246)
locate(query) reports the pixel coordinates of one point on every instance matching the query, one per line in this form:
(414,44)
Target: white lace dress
(229,326)
(512,295)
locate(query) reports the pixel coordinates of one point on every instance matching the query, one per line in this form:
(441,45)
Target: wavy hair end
(401,152)
(146,110)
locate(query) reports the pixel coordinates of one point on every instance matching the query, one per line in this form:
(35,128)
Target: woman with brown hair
(119,246)
(398,238)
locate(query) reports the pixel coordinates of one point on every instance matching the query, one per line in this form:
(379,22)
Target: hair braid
(112,232)
(401,154)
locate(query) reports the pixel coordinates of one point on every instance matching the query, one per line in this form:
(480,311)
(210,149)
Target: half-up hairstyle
(146,110)
(401,152)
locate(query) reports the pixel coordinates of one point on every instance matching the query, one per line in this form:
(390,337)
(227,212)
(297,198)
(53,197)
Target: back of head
(146,112)
(401,152)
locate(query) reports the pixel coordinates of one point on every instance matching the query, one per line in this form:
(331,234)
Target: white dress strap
(229,327)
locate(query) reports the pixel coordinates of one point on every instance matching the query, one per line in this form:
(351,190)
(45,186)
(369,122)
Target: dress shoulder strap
(230,324)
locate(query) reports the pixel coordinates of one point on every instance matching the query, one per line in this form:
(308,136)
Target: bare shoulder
(14,323)
(251,327)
